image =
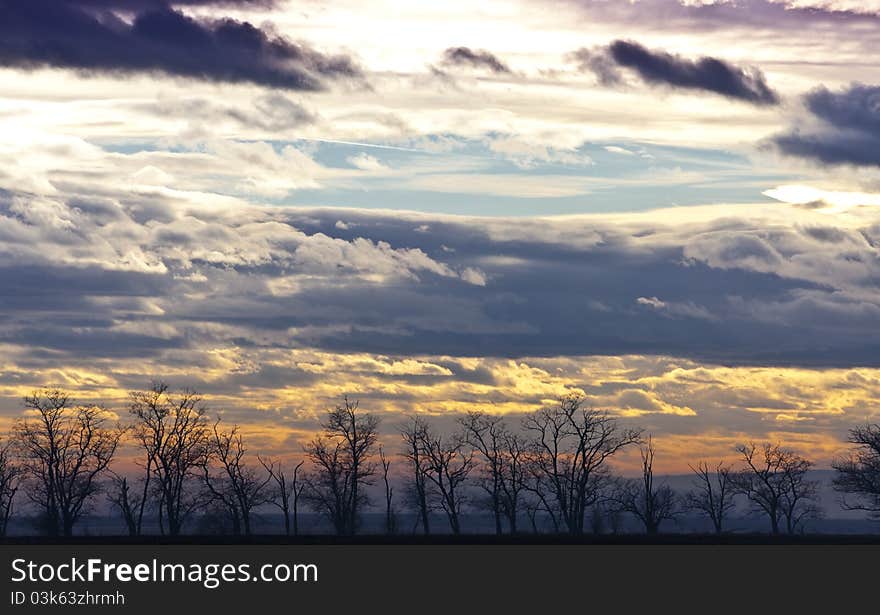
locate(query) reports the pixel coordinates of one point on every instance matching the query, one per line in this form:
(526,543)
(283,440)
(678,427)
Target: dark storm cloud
(721,298)
(546,303)
(40,33)
(56,287)
(547,309)
(831,147)
(661,68)
(732,290)
(855,108)
(75,309)
(147,4)
(474,58)
(138,5)
(93,342)
(846,131)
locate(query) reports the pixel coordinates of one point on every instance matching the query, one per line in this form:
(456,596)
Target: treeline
(551,470)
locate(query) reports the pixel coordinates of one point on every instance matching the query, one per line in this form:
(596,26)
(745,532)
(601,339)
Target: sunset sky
(670,206)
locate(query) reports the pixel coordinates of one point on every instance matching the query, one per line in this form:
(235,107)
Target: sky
(668,206)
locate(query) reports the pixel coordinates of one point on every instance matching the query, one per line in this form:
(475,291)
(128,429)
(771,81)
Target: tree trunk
(511,521)
(423,510)
(453,523)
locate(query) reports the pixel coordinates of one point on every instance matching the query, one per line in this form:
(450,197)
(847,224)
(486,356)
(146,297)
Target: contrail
(394,147)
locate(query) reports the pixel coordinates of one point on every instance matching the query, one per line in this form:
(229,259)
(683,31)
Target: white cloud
(474,276)
(653,302)
(614,149)
(365,162)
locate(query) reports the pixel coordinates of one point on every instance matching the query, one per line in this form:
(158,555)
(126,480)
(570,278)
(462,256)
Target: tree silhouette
(287,492)
(172,430)
(235,484)
(775,482)
(713,493)
(10,478)
(129,502)
(858,474)
(413,434)
(503,465)
(555,471)
(342,467)
(447,466)
(649,503)
(65,449)
(568,450)
(390,515)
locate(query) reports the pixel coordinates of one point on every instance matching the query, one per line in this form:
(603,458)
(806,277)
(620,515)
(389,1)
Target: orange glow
(694,411)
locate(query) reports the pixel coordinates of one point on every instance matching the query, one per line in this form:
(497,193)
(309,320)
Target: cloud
(778,286)
(143,4)
(279,393)
(811,197)
(752,15)
(275,312)
(474,58)
(845,127)
(474,276)
(688,310)
(653,302)
(661,68)
(273,112)
(39,33)
(600,63)
(615,149)
(365,162)
(526,155)
(151,4)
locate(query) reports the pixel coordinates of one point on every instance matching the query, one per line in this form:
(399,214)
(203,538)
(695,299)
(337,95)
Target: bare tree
(128,501)
(418,487)
(66,448)
(713,493)
(568,451)
(172,430)
(503,468)
(341,457)
(597,519)
(858,474)
(390,515)
(775,482)
(287,492)
(447,466)
(515,477)
(236,484)
(484,433)
(606,516)
(800,502)
(647,502)
(532,507)
(10,478)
